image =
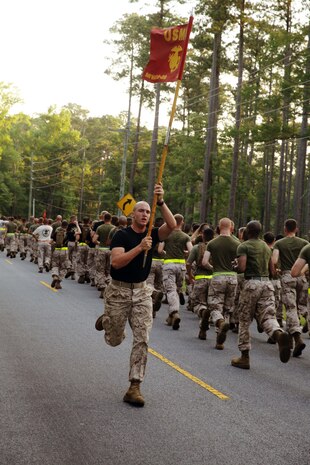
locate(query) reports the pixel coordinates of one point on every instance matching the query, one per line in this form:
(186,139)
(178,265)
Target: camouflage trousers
(2,236)
(23,242)
(103,265)
(256,300)
(44,254)
(134,305)
(34,248)
(72,251)
(234,317)
(173,279)
(11,243)
(155,278)
(81,260)
(277,296)
(199,295)
(294,297)
(91,263)
(59,263)
(221,296)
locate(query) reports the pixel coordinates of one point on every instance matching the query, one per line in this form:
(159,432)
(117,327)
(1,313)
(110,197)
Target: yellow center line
(198,381)
(8,261)
(47,285)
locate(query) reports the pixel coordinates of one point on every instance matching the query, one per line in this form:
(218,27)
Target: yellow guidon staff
(167,61)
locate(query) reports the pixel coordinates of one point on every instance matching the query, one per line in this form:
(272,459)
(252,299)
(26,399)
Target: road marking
(198,381)
(8,261)
(47,285)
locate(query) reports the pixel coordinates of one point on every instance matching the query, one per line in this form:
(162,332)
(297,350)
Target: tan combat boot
(283,340)
(221,335)
(175,320)
(299,345)
(133,395)
(204,324)
(243,361)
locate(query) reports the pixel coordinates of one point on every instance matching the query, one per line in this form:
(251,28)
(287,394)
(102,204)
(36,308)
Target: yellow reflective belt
(309,290)
(82,243)
(61,248)
(174,260)
(2,229)
(104,248)
(225,273)
(203,276)
(10,234)
(158,259)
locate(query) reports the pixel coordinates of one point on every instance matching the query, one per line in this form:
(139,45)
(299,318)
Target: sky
(53,53)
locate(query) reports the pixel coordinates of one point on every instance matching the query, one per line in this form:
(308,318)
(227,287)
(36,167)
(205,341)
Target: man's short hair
(107,217)
(269,237)
(253,229)
(290,225)
(178,218)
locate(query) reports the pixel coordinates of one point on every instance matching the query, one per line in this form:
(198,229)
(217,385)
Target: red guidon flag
(167,55)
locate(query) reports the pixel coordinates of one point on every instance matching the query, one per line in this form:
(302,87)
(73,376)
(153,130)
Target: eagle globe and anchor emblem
(175,58)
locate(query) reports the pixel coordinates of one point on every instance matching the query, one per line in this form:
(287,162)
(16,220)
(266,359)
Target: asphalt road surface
(61,388)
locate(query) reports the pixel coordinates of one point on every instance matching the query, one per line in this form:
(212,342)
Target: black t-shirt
(97,224)
(134,272)
(71,230)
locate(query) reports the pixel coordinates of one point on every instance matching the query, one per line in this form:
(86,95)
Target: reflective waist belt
(82,243)
(174,260)
(104,248)
(2,229)
(203,276)
(10,234)
(61,248)
(225,273)
(158,259)
(309,290)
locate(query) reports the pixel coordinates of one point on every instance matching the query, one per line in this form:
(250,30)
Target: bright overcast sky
(52,51)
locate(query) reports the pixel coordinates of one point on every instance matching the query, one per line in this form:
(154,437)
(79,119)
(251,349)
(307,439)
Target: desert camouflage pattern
(199,295)
(103,265)
(59,264)
(44,254)
(81,260)
(221,296)
(294,297)
(173,278)
(11,243)
(256,300)
(134,305)
(91,262)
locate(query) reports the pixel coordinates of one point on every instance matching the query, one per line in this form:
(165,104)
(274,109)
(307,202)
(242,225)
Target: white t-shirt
(44,233)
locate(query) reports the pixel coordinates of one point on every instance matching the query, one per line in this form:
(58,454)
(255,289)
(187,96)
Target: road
(62,388)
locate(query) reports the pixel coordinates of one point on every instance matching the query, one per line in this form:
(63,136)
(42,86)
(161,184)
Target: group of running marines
(229,279)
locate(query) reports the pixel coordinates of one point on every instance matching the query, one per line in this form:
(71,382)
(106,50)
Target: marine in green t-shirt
(258,256)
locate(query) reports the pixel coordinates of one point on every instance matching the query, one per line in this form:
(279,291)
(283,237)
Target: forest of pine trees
(239,145)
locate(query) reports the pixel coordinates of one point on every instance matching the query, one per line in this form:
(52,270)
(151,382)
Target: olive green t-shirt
(223,250)
(257,255)
(305,254)
(194,257)
(11,227)
(289,248)
(103,232)
(175,244)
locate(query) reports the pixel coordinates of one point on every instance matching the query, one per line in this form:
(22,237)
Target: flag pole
(167,139)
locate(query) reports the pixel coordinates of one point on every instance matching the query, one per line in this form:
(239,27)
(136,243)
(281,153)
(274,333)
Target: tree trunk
(234,171)
(213,109)
(136,146)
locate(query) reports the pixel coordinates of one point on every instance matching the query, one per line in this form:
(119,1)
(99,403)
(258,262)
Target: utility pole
(82,185)
(30,186)
(82,180)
